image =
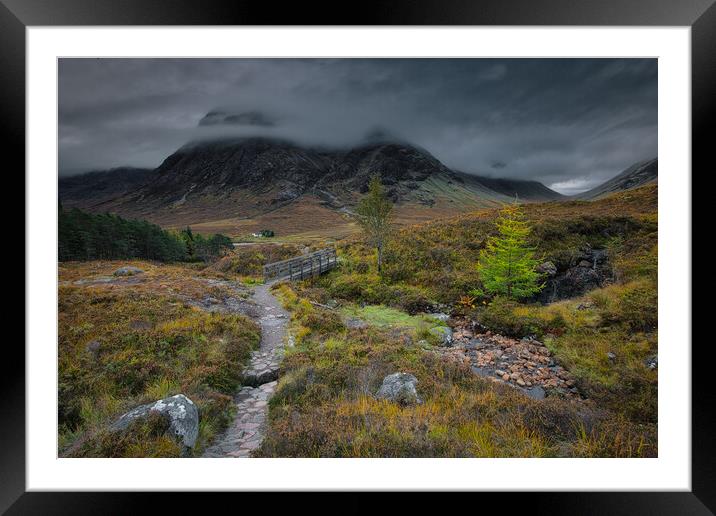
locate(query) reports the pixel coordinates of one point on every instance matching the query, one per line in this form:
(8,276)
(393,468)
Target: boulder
(181,412)
(443,333)
(128,271)
(547,268)
(575,282)
(399,388)
(93,346)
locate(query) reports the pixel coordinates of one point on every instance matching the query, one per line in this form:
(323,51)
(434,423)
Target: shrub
(635,305)
(250,260)
(516,320)
(144,437)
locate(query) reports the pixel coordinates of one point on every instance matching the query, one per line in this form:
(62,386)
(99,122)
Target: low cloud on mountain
(569,123)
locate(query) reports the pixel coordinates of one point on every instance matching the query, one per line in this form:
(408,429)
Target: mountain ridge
(638,174)
(235,180)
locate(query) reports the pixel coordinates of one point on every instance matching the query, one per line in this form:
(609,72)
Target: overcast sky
(569,123)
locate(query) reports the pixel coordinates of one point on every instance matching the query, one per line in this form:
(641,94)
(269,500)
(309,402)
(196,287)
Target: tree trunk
(380,259)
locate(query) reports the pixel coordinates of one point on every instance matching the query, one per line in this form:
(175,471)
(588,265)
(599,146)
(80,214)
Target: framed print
(427,248)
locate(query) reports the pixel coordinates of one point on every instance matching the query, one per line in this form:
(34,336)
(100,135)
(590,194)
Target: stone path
(246,432)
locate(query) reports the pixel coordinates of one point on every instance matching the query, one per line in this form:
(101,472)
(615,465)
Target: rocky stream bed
(526,364)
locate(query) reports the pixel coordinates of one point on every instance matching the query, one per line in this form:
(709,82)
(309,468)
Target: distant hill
(636,175)
(522,189)
(92,188)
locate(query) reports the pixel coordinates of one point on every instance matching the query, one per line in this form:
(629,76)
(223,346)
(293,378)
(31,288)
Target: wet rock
(181,412)
(575,282)
(587,270)
(399,388)
(128,271)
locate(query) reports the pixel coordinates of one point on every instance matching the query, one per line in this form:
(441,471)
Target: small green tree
(507,264)
(374,216)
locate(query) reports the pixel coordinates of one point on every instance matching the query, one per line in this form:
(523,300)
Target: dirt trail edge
(246,432)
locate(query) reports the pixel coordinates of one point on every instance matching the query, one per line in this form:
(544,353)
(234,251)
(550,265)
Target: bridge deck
(302,267)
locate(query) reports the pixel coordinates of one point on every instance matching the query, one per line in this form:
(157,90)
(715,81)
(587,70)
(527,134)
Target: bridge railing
(302,267)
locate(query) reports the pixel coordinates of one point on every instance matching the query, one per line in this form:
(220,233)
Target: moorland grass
(119,348)
(325,405)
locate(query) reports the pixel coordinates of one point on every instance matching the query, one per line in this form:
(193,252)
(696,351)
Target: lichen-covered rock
(181,412)
(128,271)
(399,388)
(443,333)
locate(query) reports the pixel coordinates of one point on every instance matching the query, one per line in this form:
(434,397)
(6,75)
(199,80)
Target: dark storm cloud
(570,123)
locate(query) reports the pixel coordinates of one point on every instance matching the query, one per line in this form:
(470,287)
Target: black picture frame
(700,15)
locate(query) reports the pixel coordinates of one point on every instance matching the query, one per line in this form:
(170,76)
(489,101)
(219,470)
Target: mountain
(233,185)
(250,118)
(96,187)
(521,189)
(636,175)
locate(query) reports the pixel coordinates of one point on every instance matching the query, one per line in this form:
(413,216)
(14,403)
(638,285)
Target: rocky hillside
(238,179)
(636,175)
(94,188)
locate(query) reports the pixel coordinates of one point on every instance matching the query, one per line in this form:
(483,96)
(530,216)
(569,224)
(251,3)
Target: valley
(575,377)
(422,257)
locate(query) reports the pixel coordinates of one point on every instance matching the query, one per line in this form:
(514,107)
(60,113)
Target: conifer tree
(507,264)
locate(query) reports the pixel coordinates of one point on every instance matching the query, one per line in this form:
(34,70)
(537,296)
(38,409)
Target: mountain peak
(240,118)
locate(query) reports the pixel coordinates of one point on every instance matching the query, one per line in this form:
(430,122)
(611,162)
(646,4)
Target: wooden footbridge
(302,267)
